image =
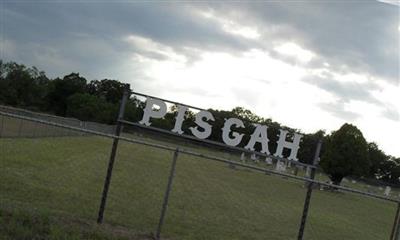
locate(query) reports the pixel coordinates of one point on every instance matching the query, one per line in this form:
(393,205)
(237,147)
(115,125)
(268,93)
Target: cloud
(345,90)
(154,50)
(338,110)
(8,49)
(391,113)
(307,63)
(350,36)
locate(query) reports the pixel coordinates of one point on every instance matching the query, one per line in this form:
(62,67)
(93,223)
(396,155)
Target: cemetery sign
(157,108)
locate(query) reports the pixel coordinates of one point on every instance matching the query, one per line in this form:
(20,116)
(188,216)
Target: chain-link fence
(19,128)
(188,193)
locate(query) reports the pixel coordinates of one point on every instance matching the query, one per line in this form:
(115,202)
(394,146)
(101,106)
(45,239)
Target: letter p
(151,112)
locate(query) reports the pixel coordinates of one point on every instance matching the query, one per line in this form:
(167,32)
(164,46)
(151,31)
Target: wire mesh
(344,215)
(213,200)
(20,128)
(48,168)
(61,175)
(137,187)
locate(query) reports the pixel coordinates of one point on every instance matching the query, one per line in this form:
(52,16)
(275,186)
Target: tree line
(345,152)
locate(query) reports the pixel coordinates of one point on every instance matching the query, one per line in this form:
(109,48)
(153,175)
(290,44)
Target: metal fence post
(395,235)
(46,130)
(34,129)
(166,195)
(112,156)
(308,194)
(20,128)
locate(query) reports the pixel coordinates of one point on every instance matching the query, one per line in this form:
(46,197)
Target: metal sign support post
(308,194)
(112,156)
(166,195)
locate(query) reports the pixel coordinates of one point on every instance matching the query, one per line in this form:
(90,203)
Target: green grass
(28,225)
(11,127)
(64,176)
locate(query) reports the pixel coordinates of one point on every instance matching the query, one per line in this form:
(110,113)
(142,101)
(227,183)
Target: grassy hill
(62,178)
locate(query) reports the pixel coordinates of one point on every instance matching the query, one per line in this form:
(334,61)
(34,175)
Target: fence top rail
(4,107)
(200,155)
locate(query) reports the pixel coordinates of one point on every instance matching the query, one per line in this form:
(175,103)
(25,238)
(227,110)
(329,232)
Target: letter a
(259,135)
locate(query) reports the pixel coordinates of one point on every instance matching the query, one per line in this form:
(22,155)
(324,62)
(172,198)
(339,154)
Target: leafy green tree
(134,110)
(110,90)
(346,154)
(389,170)
(308,146)
(246,114)
(61,89)
(88,107)
(22,86)
(377,159)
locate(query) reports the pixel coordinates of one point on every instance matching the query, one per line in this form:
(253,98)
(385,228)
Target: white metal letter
(200,123)
(150,112)
(179,119)
(293,146)
(237,138)
(259,135)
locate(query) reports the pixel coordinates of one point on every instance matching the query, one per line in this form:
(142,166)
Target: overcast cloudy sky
(307,64)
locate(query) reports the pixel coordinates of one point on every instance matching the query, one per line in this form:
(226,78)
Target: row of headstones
(281,166)
(386,191)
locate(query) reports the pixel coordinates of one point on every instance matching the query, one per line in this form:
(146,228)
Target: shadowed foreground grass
(28,225)
(209,200)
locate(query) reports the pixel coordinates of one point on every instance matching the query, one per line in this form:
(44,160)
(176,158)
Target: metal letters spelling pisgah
(203,129)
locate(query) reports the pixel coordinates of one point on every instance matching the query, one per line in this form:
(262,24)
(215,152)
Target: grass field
(50,188)
(63,178)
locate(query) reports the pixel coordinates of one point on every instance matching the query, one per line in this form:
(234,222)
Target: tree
(88,107)
(110,90)
(377,159)
(61,89)
(346,154)
(22,86)
(308,146)
(246,114)
(389,170)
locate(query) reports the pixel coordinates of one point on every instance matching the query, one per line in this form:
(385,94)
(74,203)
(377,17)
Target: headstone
(380,188)
(243,157)
(254,157)
(296,170)
(308,172)
(289,164)
(387,191)
(353,181)
(268,160)
(280,166)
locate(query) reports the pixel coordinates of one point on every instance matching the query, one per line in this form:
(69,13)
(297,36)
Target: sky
(309,65)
